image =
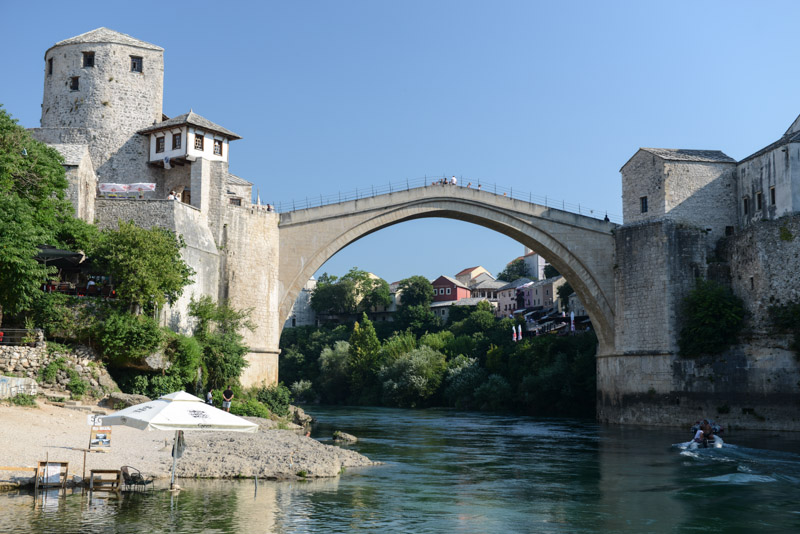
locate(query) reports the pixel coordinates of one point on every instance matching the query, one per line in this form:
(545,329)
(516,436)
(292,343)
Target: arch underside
(573,250)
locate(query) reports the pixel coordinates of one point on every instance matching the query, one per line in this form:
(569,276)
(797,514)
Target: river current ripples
(455,472)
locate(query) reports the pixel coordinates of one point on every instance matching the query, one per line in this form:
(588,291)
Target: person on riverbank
(227,397)
(210,397)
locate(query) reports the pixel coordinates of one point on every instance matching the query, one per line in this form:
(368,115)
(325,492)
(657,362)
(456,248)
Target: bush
(276,398)
(21,399)
(186,356)
(50,371)
(249,407)
(412,378)
(713,317)
(335,372)
(464,376)
(303,391)
(76,386)
(125,337)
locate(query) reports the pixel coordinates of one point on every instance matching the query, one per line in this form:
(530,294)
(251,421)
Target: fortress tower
(100,88)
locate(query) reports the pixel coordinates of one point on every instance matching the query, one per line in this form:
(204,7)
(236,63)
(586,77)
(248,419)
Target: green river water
(458,472)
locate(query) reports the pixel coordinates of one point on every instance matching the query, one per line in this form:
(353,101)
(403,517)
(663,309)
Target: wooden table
(99,482)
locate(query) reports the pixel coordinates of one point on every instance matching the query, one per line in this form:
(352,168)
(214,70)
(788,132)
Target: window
(198,141)
(50,66)
(88,59)
(758,201)
(217,147)
(136,63)
(746,205)
(176,141)
(448,290)
(73,83)
(160,141)
(772,195)
(236,201)
(643,204)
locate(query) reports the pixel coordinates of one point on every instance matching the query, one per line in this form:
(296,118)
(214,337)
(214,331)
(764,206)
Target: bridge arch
(580,247)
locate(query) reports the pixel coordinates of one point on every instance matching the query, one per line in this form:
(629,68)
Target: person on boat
(698,436)
(708,432)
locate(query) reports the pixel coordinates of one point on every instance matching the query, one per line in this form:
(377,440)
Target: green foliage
(713,317)
(419,319)
(276,398)
(464,376)
(53,347)
(124,337)
(415,291)
(56,313)
(50,371)
(217,331)
(303,391)
(397,345)
(354,291)
(335,372)
(22,399)
(186,356)
(249,407)
(564,291)
(76,386)
(786,320)
(438,341)
(550,271)
(413,378)
(786,234)
(32,207)
(146,265)
(515,270)
(494,394)
(364,354)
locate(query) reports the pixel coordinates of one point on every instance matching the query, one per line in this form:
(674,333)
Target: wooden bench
(98,481)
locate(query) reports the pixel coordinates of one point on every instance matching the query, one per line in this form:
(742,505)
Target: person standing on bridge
(453,181)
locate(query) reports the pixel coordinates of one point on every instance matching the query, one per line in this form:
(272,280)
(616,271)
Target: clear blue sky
(547,97)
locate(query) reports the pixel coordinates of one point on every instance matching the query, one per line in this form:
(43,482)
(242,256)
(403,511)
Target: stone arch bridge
(580,247)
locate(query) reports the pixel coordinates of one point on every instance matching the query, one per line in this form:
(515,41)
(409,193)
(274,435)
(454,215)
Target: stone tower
(101,87)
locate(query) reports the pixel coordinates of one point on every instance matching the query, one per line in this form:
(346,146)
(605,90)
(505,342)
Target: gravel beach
(30,435)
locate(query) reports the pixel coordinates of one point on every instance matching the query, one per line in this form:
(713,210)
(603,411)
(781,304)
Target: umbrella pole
(174,461)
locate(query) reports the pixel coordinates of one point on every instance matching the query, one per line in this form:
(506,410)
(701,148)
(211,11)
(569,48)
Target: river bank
(59,434)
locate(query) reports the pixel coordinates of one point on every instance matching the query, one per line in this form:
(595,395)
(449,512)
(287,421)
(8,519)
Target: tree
(379,294)
(419,319)
(356,290)
(514,271)
(217,330)
(364,354)
(415,290)
(32,206)
(146,265)
(550,271)
(564,291)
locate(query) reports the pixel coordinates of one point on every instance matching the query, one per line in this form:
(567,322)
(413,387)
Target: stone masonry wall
(111,104)
(250,281)
(28,362)
(755,384)
(642,176)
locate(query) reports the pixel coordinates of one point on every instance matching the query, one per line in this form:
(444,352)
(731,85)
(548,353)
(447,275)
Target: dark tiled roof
(104,35)
(790,137)
(190,118)
(452,281)
(680,154)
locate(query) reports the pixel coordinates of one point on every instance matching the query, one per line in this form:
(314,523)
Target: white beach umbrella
(178,411)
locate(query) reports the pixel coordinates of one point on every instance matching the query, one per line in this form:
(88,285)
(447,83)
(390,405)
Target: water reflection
(467,473)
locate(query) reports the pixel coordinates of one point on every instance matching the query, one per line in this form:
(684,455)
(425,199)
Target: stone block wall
(656,265)
(776,168)
(28,362)
(250,281)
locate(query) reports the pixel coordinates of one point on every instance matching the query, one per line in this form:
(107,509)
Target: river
(459,472)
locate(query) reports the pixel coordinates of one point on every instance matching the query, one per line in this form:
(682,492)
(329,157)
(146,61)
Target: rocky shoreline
(61,434)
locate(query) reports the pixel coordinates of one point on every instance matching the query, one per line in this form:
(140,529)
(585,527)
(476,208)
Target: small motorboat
(702,441)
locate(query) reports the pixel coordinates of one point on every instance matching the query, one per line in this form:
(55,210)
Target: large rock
(299,416)
(343,437)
